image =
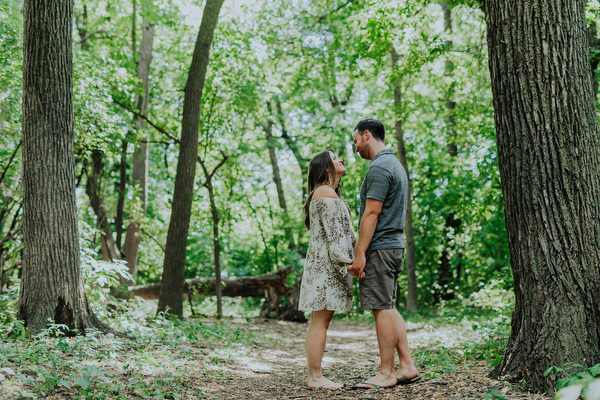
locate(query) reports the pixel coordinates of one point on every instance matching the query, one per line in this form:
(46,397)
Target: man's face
(360,144)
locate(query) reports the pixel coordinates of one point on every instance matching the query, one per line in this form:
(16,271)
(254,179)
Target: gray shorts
(378,287)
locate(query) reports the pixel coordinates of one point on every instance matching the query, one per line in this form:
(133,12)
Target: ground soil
(274,367)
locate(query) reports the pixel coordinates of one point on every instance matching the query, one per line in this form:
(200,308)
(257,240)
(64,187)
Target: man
(380,252)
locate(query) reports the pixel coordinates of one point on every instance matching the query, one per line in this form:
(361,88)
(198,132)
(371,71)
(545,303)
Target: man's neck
(376,147)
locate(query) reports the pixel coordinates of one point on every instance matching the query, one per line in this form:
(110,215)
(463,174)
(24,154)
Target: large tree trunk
(549,158)
(175,251)
(52,285)
(246,286)
(411,260)
(141,152)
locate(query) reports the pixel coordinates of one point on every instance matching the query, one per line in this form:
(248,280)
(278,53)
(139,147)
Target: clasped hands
(357,267)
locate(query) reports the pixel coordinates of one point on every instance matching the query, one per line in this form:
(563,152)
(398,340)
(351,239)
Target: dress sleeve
(338,232)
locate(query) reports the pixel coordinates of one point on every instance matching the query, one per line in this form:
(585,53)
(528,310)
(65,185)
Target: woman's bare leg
(315,346)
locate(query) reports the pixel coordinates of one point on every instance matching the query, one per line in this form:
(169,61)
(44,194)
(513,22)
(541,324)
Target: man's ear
(367,135)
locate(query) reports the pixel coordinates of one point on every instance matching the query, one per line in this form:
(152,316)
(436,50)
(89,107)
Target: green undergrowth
(163,354)
(156,363)
(583,384)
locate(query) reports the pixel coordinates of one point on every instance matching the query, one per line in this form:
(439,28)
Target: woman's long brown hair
(318,175)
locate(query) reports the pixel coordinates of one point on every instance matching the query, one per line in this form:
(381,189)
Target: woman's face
(338,163)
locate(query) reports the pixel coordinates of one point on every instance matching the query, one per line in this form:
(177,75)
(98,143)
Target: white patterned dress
(326,283)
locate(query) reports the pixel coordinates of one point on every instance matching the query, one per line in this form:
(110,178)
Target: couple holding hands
(376,259)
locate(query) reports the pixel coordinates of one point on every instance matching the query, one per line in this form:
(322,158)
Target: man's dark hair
(372,125)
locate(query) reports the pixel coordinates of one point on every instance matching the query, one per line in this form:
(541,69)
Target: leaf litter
(261,359)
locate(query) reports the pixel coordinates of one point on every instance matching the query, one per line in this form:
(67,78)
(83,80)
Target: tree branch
(11,236)
(320,18)
(206,174)
(290,142)
(86,37)
(9,162)
(153,238)
(137,114)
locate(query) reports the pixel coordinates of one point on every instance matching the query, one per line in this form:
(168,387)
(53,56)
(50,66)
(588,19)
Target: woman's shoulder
(324,192)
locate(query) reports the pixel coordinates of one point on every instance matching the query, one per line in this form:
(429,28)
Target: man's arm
(367,229)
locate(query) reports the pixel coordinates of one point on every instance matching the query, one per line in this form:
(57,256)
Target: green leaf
(84,382)
(25,394)
(26,379)
(493,394)
(553,369)
(595,370)
(65,383)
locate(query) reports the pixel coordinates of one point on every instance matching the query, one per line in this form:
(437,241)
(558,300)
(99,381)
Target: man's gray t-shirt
(387,182)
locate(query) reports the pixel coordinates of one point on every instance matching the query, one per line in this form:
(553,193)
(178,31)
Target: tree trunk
(290,312)
(141,152)
(447,277)
(175,251)
(293,146)
(449,71)
(411,260)
(217,250)
(277,179)
(122,188)
(246,286)
(549,158)
(216,241)
(52,285)
(110,250)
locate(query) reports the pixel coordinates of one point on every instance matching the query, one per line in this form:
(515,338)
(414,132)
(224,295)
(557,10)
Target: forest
(153,169)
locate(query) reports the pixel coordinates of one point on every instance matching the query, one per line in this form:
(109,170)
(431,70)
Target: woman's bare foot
(323,383)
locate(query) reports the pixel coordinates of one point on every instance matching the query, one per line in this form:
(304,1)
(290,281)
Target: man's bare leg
(315,347)
(387,338)
(406,369)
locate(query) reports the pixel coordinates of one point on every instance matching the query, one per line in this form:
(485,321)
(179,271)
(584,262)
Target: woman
(326,284)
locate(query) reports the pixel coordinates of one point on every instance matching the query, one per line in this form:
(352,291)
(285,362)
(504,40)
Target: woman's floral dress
(326,283)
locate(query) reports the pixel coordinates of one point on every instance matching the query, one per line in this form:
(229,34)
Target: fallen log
(245,286)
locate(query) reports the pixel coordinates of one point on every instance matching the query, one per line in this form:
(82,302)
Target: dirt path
(274,367)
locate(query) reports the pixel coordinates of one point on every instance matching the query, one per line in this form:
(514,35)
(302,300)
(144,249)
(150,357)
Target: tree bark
(175,251)
(549,157)
(411,260)
(141,152)
(595,55)
(246,286)
(52,284)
